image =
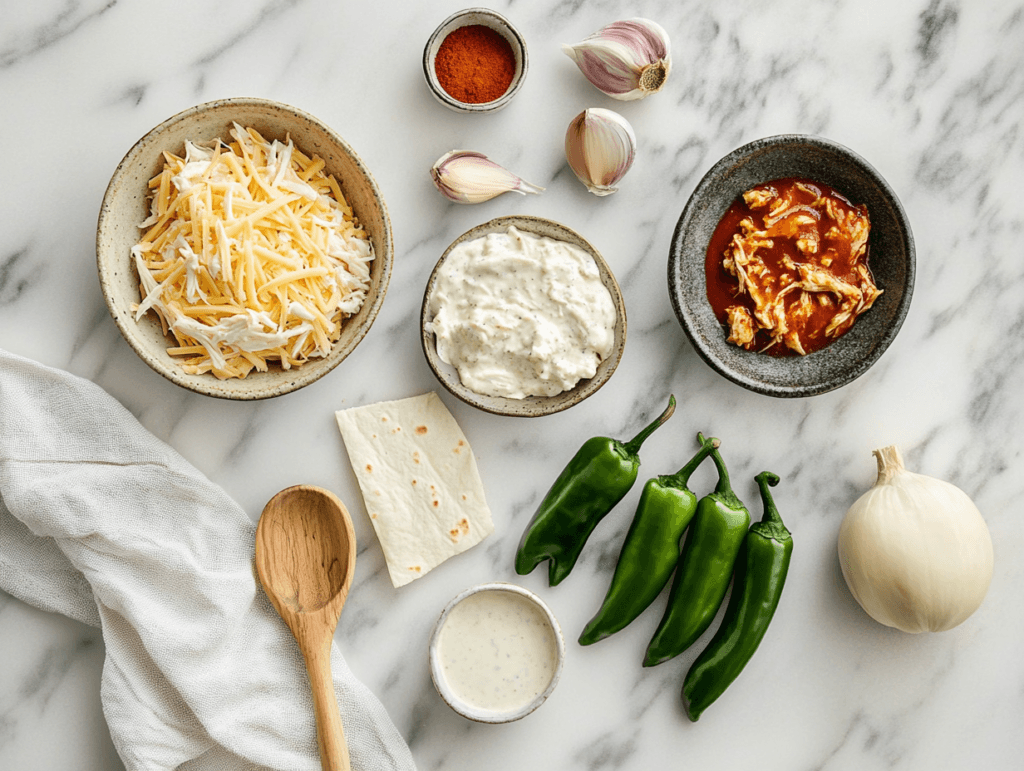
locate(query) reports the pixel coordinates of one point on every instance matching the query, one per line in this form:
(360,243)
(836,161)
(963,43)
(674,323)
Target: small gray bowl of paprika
(475,61)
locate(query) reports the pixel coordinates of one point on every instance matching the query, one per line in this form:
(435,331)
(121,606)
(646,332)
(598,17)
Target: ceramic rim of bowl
(478,714)
(465,18)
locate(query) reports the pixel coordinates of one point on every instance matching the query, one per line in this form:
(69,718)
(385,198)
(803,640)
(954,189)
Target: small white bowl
(499,24)
(126,204)
(475,712)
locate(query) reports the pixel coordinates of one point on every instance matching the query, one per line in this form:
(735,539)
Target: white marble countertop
(929,92)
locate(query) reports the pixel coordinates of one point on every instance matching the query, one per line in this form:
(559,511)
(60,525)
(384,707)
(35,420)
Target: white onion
(914,550)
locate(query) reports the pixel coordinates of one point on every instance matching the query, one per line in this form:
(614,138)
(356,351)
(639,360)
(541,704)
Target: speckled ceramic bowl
(475,712)
(486,18)
(890,256)
(126,204)
(532,406)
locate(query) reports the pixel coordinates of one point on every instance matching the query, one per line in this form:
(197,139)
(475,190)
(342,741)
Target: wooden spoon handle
(330,734)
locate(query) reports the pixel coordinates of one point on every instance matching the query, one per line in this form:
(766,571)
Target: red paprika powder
(475,64)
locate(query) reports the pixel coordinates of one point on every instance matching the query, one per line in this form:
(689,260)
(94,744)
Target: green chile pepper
(760,575)
(598,476)
(704,570)
(651,549)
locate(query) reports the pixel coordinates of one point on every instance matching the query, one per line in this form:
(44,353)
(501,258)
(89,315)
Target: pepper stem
(770,525)
(633,445)
(682,477)
(724,487)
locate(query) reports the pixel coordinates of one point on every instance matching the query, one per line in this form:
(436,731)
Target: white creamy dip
(497,650)
(520,315)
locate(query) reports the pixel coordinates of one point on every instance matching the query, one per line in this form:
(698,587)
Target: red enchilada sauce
(787,268)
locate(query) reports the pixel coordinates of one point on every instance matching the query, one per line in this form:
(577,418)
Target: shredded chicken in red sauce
(792,255)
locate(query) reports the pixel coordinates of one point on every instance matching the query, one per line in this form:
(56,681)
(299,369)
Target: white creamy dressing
(497,650)
(520,315)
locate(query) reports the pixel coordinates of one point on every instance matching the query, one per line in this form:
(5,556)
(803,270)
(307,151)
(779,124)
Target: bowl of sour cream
(522,317)
(496,653)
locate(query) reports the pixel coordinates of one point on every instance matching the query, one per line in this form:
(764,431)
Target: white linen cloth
(102,522)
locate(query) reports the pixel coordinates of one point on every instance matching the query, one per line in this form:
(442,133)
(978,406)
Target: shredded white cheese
(250,255)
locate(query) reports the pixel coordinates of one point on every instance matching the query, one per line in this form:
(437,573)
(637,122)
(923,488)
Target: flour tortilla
(419,482)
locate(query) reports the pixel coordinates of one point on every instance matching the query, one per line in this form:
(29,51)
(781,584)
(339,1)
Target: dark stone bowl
(890,256)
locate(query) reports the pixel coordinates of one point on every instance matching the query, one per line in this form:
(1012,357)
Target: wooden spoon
(305,558)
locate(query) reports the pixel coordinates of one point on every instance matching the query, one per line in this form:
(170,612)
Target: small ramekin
(470,711)
(499,24)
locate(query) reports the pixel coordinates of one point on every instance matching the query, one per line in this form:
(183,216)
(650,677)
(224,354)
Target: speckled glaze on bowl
(125,205)
(470,711)
(891,258)
(486,18)
(532,406)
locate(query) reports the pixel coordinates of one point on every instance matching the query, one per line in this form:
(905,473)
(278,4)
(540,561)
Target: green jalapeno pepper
(760,575)
(705,567)
(598,476)
(651,549)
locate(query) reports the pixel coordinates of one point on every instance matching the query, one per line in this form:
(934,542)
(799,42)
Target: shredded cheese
(250,255)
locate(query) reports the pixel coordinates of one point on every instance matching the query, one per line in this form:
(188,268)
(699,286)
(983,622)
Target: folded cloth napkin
(102,522)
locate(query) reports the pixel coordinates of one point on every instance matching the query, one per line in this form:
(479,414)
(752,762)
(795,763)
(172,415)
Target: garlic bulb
(465,176)
(627,59)
(914,550)
(600,147)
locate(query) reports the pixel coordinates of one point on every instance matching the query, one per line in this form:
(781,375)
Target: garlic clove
(464,176)
(600,147)
(626,60)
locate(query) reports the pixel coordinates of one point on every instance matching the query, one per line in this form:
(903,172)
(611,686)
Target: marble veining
(37,36)
(930,92)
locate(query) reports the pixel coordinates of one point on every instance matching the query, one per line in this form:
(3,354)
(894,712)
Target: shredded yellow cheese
(250,255)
